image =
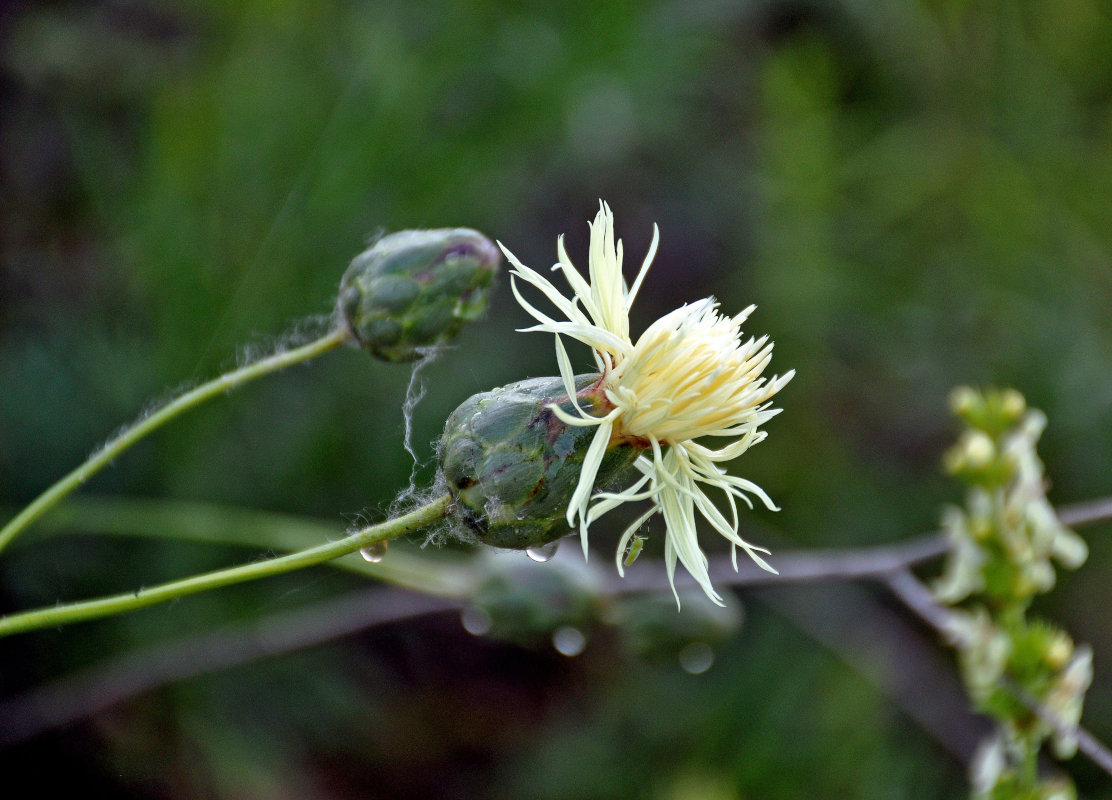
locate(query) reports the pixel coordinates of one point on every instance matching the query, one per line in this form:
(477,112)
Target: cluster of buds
(1004,542)
(653,425)
(564,603)
(1025,673)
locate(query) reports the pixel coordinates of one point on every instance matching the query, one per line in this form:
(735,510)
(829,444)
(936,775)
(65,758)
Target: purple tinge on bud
(413,290)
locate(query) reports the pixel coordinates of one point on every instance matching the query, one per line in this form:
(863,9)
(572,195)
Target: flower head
(688,376)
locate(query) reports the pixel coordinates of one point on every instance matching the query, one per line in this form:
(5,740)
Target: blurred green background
(916,195)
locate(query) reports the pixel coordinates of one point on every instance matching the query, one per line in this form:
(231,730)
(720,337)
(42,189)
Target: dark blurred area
(915,195)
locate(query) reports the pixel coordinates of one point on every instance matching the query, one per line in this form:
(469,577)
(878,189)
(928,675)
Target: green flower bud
(416,289)
(522,602)
(1058,650)
(512,465)
(990,410)
(964,401)
(652,629)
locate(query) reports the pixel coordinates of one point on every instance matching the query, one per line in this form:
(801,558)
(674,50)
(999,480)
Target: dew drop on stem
(374,553)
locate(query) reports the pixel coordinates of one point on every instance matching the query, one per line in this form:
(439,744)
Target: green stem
(208,523)
(131,435)
(140,598)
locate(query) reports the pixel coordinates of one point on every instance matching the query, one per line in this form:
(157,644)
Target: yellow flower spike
(690,375)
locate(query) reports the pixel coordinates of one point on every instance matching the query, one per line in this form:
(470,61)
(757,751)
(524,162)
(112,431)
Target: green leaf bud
(415,289)
(512,465)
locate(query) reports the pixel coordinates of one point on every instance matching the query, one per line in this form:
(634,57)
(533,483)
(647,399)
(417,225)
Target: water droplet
(374,553)
(569,641)
(696,657)
(475,620)
(541,553)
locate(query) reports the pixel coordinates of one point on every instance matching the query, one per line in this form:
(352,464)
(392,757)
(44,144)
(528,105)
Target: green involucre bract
(512,465)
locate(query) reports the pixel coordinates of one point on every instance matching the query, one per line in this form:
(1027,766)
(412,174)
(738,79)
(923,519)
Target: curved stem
(140,598)
(134,433)
(210,523)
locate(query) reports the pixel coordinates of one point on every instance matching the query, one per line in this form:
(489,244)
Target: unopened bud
(990,410)
(415,289)
(651,627)
(973,453)
(520,601)
(1012,405)
(979,450)
(964,400)
(512,465)
(1059,651)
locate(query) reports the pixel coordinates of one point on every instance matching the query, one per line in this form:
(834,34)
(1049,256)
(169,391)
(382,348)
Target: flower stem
(130,601)
(134,433)
(208,523)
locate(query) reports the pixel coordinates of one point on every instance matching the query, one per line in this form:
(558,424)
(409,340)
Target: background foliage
(914,194)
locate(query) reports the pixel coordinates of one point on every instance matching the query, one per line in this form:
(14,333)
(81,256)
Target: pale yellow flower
(688,376)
